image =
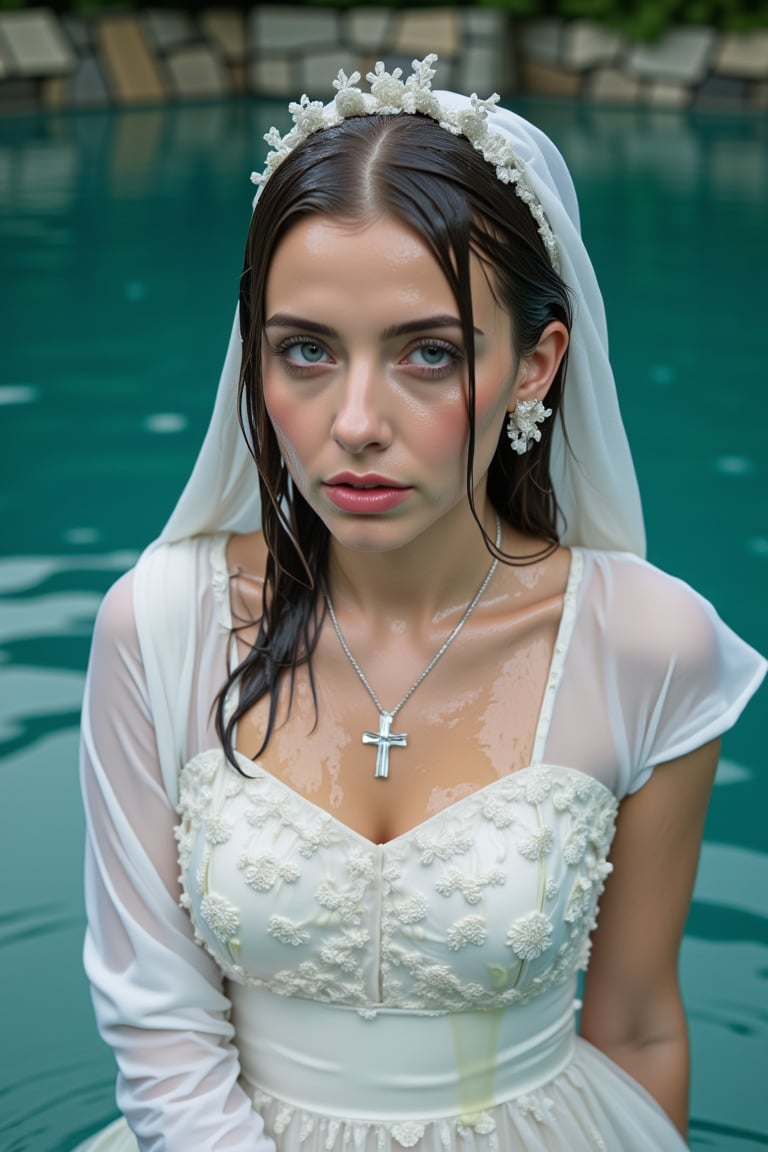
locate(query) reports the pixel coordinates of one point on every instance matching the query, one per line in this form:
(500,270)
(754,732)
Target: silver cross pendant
(384,739)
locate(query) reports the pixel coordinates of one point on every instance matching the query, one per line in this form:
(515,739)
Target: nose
(360,421)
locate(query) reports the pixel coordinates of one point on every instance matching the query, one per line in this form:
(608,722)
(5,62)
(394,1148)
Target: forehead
(381,264)
(369,245)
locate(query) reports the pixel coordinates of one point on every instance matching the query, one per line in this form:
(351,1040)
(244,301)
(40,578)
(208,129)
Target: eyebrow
(442,320)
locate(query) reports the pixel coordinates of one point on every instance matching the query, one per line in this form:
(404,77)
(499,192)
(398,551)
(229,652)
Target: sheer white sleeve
(158,997)
(694,674)
(652,673)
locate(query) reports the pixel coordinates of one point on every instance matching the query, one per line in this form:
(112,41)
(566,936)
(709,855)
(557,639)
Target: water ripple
(23,573)
(41,920)
(740,1139)
(44,1112)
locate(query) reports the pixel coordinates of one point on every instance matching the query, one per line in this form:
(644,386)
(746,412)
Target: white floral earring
(522,428)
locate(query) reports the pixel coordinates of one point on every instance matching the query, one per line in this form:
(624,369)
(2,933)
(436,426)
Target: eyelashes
(300,353)
(429,358)
(449,357)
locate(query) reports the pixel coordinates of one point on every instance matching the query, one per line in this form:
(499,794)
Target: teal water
(120,249)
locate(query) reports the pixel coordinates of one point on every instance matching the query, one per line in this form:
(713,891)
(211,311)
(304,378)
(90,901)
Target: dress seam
(559,654)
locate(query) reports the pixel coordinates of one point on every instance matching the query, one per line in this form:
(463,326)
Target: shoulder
(247,556)
(674,675)
(174,576)
(115,619)
(167,584)
(645,612)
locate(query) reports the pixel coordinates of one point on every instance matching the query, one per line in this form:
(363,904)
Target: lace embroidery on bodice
(484,904)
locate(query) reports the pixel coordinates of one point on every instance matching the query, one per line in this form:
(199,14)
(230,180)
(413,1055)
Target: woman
(400,723)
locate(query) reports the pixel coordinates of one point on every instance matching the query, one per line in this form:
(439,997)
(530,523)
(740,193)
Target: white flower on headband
(387,89)
(389,95)
(349,100)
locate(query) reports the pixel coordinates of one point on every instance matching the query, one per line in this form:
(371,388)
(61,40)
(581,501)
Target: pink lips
(365,494)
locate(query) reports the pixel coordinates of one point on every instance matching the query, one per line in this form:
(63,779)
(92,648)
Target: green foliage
(519,8)
(646,19)
(639,19)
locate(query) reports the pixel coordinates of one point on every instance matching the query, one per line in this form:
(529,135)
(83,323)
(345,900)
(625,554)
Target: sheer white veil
(594,478)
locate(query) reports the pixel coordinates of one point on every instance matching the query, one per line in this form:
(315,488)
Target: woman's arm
(158,997)
(633,1009)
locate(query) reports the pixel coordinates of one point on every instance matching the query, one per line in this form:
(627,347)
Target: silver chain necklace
(385,738)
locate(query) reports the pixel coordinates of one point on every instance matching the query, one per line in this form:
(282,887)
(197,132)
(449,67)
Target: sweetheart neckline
(414,829)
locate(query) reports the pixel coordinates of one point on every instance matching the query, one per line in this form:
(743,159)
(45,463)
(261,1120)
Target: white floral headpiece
(391,96)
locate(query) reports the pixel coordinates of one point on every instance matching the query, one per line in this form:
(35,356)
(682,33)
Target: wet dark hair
(409,168)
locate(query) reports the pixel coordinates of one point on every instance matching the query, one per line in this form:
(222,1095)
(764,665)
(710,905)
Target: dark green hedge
(647,19)
(641,19)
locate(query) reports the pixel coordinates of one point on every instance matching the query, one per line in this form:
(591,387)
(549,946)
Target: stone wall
(280,50)
(687,66)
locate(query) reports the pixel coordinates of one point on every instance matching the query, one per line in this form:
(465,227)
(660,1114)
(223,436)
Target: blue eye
(432,354)
(434,357)
(303,352)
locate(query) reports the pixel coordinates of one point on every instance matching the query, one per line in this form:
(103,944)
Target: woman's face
(365,378)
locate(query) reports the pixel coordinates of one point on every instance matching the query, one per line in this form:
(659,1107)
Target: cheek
(292,431)
(438,435)
(492,399)
(490,412)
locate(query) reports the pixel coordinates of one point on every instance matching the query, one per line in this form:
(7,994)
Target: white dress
(322,993)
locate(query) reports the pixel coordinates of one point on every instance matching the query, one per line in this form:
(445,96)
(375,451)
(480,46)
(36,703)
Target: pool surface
(120,251)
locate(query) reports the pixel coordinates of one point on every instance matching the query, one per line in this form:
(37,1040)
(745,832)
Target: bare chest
(472,720)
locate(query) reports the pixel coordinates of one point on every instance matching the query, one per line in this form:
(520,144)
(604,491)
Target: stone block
(131,68)
(290,28)
(224,28)
(238,76)
(423,30)
(484,24)
(682,56)
(587,45)
(272,76)
(87,86)
(35,44)
(53,92)
(167,28)
(486,67)
(663,95)
(196,73)
(369,29)
(723,91)
(79,32)
(317,70)
(546,80)
(612,86)
(17,95)
(744,55)
(542,40)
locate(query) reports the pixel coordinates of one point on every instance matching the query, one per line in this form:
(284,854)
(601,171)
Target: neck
(434,575)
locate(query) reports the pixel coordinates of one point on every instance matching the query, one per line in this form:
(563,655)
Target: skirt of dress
(591,1106)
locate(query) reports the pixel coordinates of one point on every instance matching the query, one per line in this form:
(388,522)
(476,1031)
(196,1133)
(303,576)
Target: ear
(537,370)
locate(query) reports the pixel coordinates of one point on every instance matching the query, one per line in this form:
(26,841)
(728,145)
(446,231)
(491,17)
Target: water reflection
(147,151)
(121,236)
